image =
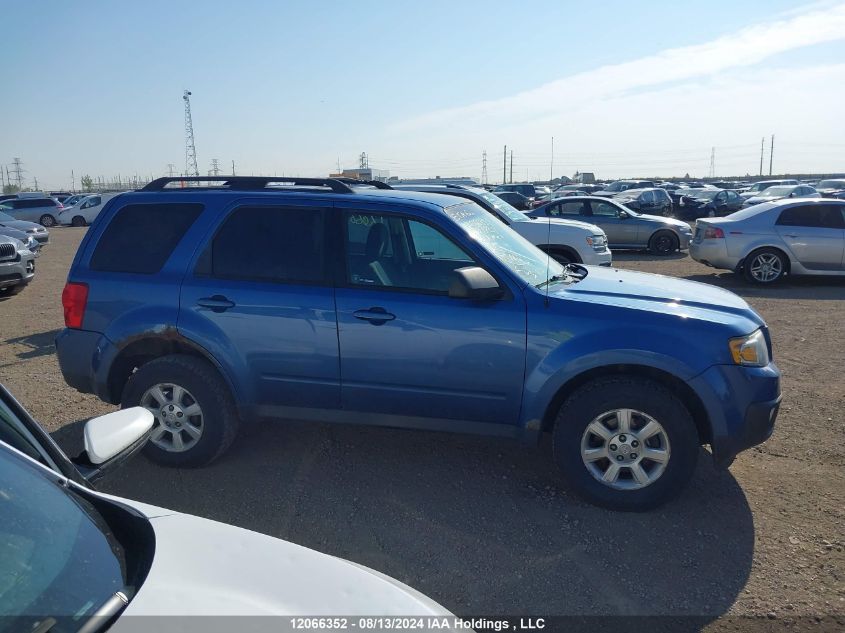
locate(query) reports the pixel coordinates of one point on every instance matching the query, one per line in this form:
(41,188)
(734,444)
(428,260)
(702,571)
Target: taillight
(74,298)
(713,232)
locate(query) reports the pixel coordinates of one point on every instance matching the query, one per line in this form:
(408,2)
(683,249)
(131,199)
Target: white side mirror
(109,435)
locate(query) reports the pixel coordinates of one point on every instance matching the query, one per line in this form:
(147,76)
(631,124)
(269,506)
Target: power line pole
(72,181)
(191,168)
(36,183)
(215,168)
(170,168)
(18,170)
(552,164)
(511,179)
(712,162)
(771,154)
(762,145)
(484,167)
(505,166)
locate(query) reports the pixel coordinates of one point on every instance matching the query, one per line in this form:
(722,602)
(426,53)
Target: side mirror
(111,439)
(624,215)
(476,284)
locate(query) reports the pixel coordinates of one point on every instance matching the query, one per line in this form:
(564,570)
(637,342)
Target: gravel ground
(486,526)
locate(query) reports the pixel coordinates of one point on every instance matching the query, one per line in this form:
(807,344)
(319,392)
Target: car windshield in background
(702,194)
(527,261)
(831,184)
(774,192)
(48,528)
(502,207)
(618,186)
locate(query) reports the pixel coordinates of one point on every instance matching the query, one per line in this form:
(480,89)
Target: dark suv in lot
(312,299)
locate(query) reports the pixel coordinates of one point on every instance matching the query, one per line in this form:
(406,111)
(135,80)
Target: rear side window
(141,237)
(817,215)
(275,244)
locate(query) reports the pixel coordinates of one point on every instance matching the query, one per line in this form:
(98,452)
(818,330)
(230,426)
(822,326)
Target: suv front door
(409,354)
(261,299)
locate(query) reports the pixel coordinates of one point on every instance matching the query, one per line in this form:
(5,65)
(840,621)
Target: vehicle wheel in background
(196,420)
(764,266)
(711,213)
(625,443)
(663,243)
(78,220)
(47,220)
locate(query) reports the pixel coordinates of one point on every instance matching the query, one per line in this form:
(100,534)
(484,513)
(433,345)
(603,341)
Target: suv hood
(648,291)
(578,224)
(203,567)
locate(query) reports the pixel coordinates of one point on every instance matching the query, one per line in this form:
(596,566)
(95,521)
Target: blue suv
(314,299)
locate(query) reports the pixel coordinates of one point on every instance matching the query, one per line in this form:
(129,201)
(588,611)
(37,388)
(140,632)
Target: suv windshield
(702,194)
(501,206)
(57,556)
(618,186)
(773,192)
(524,259)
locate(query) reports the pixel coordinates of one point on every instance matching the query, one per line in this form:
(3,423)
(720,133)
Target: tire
(78,220)
(47,220)
(711,213)
(647,401)
(562,256)
(663,243)
(765,266)
(204,388)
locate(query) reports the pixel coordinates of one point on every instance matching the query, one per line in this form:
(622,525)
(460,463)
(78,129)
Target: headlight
(750,350)
(597,241)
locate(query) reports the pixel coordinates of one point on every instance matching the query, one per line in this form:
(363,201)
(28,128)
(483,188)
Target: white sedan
(85,210)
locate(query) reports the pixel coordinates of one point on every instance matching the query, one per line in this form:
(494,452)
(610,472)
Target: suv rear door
(259,297)
(407,349)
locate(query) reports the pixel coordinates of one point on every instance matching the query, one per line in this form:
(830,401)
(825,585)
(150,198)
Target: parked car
(17,266)
(761,185)
(782,191)
(566,240)
(768,241)
(525,189)
(653,200)
(41,210)
(36,231)
(29,242)
(405,309)
(705,203)
(515,199)
(619,186)
(82,561)
(625,228)
(72,200)
(832,188)
(85,211)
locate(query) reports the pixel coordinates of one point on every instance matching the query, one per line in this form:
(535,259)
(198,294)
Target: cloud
(743,48)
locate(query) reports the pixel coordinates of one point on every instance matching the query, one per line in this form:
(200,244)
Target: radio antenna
(548,254)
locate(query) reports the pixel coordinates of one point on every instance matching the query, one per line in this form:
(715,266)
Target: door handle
(217,303)
(376,316)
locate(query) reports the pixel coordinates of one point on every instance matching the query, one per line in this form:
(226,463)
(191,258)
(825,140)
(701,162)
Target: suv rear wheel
(47,220)
(663,243)
(625,443)
(195,415)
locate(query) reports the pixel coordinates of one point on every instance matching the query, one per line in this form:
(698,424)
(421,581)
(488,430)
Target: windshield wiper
(106,614)
(554,278)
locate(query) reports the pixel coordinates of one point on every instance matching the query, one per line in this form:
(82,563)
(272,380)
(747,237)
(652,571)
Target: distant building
(585,178)
(363,173)
(460,180)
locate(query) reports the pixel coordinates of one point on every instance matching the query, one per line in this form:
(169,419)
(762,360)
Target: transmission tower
(712,162)
(17,170)
(191,168)
(215,168)
(170,168)
(484,167)
(363,161)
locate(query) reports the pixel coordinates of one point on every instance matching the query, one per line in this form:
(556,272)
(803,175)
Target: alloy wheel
(625,449)
(766,267)
(178,417)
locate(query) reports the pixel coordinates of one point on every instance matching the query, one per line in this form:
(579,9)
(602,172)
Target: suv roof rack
(251,183)
(377,184)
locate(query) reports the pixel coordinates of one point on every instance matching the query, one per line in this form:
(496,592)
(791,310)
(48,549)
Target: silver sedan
(771,240)
(625,228)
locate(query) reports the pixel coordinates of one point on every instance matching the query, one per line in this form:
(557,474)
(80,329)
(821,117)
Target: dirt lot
(486,526)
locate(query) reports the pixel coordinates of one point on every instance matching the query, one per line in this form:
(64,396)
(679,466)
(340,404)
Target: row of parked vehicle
(49,211)
(20,245)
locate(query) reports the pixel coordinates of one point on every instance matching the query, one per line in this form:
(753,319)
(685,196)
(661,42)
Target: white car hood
(557,223)
(203,567)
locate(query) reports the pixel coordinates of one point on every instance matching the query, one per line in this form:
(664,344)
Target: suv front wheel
(625,443)
(195,417)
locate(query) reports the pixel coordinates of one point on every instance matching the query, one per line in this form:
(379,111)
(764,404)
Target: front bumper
(742,404)
(19,271)
(598,258)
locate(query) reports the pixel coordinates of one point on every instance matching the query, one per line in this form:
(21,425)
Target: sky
(424,88)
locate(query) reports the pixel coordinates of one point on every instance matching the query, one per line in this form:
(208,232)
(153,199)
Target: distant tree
(11,188)
(87,183)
